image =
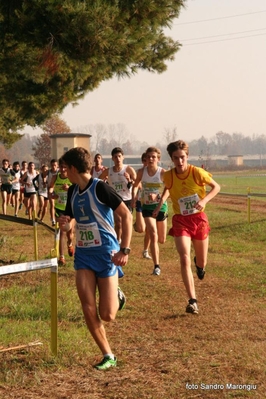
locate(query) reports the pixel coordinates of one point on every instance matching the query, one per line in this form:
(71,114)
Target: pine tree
(53,52)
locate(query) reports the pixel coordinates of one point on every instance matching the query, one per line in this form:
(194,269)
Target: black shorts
(146,213)
(44,197)
(28,195)
(7,188)
(128,204)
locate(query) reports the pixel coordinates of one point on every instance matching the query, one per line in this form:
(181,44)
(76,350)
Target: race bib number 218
(88,235)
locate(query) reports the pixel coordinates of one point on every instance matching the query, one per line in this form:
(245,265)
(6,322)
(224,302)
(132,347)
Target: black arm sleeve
(68,210)
(108,195)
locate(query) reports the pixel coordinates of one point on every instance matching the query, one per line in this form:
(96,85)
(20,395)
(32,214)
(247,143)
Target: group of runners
(37,191)
(98,202)
(103,216)
(22,185)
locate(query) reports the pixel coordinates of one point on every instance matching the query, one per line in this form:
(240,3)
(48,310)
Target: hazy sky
(216,83)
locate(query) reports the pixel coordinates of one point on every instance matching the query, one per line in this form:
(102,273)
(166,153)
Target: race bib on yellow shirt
(187,204)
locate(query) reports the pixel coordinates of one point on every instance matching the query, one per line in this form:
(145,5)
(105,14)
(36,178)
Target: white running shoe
(146,255)
(192,308)
(157,271)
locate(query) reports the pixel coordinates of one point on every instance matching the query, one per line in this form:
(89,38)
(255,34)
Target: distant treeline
(228,144)
(221,144)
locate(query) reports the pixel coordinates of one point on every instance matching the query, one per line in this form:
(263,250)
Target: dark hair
(15,164)
(97,155)
(78,157)
(61,161)
(143,157)
(116,150)
(177,145)
(53,161)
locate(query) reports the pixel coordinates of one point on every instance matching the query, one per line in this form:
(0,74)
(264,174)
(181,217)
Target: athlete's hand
(199,205)
(63,221)
(120,259)
(156,211)
(127,176)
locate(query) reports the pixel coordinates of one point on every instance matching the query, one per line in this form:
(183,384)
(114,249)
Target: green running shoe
(121,298)
(106,363)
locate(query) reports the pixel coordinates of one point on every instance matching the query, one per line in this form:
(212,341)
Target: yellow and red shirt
(185,185)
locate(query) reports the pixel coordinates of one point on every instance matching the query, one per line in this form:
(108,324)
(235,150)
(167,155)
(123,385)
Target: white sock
(111,355)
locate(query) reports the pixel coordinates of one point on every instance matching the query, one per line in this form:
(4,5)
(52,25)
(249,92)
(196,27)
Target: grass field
(242,183)
(162,351)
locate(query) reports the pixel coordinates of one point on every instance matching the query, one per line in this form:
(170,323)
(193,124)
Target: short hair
(16,163)
(143,157)
(154,149)
(117,150)
(61,161)
(177,145)
(97,155)
(78,157)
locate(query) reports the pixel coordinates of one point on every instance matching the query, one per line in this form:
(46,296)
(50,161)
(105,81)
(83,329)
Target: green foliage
(53,52)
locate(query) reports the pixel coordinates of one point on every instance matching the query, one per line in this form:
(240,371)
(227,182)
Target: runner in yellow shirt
(186,186)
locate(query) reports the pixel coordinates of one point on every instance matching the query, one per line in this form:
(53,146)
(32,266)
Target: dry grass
(161,349)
